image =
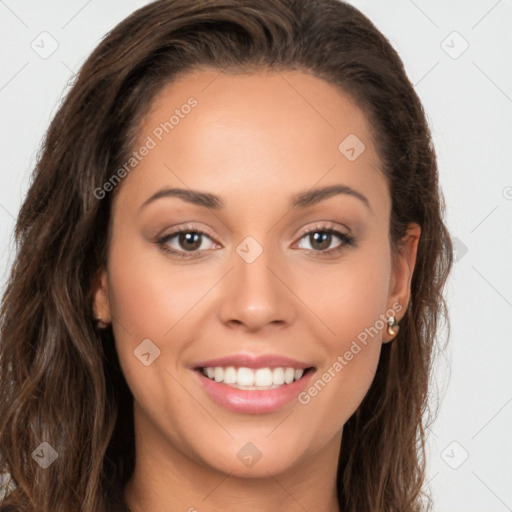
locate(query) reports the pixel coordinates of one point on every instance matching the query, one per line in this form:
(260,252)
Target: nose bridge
(254,296)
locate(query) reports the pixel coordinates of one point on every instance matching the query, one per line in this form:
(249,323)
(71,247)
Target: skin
(255,141)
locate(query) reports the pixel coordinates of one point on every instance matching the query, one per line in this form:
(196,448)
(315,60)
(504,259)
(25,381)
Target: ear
(403,268)
(101,302)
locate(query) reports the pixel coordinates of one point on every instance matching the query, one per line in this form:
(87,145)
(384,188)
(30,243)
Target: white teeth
(248,378)
(245,377)
(263,377)
(218,374)
(230,375)
(278,376)
(289,375)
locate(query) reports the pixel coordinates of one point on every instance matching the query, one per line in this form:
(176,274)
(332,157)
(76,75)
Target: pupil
(322,238)
(190,241)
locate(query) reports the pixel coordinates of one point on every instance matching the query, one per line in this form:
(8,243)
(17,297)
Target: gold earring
(393,326)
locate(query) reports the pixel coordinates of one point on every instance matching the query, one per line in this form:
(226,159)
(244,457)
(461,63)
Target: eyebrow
(301,200)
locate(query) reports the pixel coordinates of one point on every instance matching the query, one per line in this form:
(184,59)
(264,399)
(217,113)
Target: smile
(253,379)
(248,390)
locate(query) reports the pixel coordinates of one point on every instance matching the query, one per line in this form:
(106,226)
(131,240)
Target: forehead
(290,104)
(251,132)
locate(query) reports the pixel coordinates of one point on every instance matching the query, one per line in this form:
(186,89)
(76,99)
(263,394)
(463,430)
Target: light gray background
(468,100)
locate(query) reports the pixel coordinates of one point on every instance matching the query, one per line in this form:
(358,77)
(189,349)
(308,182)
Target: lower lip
(254,401)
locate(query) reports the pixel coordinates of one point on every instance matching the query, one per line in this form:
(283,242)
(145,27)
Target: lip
(254,362)
(253,401)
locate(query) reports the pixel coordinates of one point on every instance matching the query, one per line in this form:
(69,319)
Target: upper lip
(250,361)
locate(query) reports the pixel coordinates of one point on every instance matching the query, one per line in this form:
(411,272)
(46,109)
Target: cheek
(339,387)
(147,295)
(351,300)
(150,300)
(348,296)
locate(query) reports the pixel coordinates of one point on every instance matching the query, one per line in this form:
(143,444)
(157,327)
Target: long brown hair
(60,380)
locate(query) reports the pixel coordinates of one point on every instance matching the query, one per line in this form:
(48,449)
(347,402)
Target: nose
(256,296)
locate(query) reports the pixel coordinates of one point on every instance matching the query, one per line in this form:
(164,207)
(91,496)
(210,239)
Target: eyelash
(346,240)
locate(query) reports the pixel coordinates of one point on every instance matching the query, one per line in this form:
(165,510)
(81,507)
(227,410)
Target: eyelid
(163,241)
(319,226)
(186,228)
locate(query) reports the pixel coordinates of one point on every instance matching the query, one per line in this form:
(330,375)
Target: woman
(230,272)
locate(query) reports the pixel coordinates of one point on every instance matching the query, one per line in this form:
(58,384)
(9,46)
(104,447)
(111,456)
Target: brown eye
(325,241)
(190,241)
(186,242)
(320,240)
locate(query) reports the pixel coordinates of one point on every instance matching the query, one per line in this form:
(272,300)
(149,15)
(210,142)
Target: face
(282,264)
